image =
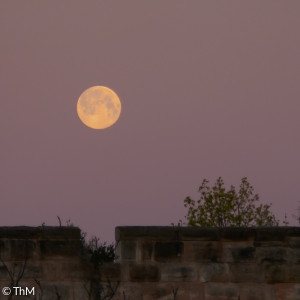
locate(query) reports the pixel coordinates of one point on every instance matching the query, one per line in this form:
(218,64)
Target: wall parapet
(211,263)
(167,263)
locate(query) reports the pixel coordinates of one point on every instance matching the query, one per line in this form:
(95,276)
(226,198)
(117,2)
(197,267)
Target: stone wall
(47,258)
(156,263)
(209,264)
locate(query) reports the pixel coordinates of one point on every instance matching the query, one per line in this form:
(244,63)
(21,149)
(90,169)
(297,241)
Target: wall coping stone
(276,233)
(41,232)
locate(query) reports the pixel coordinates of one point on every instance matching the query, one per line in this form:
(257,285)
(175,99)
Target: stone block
(59,232)
(199,234)
(168,251)
(157,291)
(237,234)
(52,270)
(178,272)
(42,232)
(276,272)
(293,241)
(11,268)
(4,275)
(296,253)
(60,248)
(129,291)
(56,290)
(214,272)
(200,251)
(271,234)
(243,254)
(146,250)
(271,243)
(171,291)
(5,249)
(34,270)
(247,272)
(160,233)
(221,291)
(293,231)
(144,273)
(287,291)
(275,254)
(238,253)
(128,250)
(282,273)
(23,249)
(75,270)
(190,291)
(294,271)
(110,271)
(254,291)
(123,233)
(79,290)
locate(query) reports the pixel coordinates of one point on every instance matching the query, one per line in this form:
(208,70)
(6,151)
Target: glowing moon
(98,107)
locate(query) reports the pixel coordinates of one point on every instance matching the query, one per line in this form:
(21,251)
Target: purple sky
(208,89)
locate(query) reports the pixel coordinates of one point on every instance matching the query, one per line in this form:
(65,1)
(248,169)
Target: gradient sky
(208,89)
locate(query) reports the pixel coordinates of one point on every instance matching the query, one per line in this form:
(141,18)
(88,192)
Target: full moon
(99,107)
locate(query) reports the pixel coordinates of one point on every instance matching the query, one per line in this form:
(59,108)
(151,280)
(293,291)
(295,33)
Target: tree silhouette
(221,207)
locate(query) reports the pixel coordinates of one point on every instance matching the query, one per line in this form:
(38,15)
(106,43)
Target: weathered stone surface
(79,290)
(296,253)
(272,254)
(294,271)
(3,273)
(53,271)
(168,251)
(254,291)
(238,252)
(243,254)
(214,272)
(23,249)
(282,273)
(129,290)
(128,250)
(237,234)
(190,291)
(294,242)
(60,248)
(221,291)
(276,272)
(154,262)
(144,272)
(110,271)
(157,291)
(166,233)
(75,270)
(147,250)
(271,234)
(145,232)
(273,244)
(57,290)
(171,291)
(34,270)
(287,291)
(178,272)
(292,231)
(247,272)
(199,234)
(5,250)
(42,232)
(200,251)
